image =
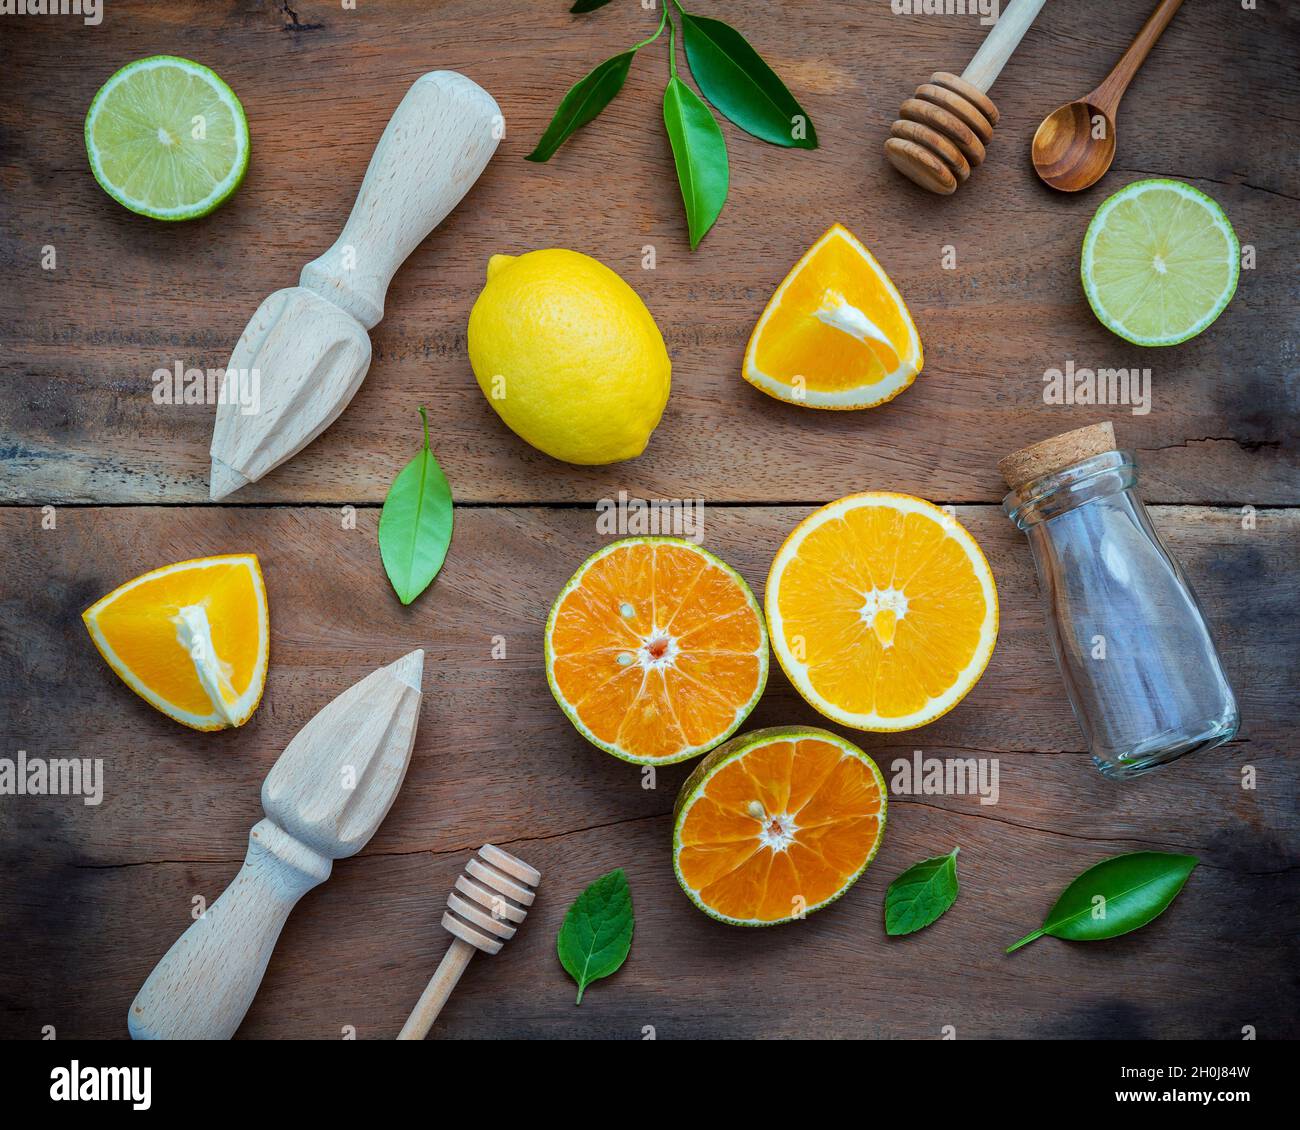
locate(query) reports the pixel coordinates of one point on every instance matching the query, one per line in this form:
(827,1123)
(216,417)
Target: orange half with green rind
(777,824)
(656,650)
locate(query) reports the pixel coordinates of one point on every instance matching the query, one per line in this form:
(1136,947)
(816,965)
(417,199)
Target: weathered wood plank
(359,949)
(129,295)
(99,892)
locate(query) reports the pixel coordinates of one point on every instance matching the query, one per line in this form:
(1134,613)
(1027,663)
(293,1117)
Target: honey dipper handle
(438,141)
(1106,97)
(204,984)
(436,992)
(1000,43)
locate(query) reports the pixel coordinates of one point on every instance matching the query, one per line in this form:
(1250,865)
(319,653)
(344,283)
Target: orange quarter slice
(776,824)
(836,334)
(191,639)
(882,610)
(656,650)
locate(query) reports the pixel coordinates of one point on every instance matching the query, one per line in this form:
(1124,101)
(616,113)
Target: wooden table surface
(97,484)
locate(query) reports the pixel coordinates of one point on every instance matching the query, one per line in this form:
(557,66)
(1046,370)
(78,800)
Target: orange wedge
(776,824)
(836,334)
(656,650)
(882,611)
(191,639)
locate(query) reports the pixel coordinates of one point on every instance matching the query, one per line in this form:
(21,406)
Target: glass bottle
(1140,667)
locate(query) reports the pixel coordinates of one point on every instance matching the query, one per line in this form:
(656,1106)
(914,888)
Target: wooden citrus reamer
(942,130)
(497,890)
(310,344)
(324,798)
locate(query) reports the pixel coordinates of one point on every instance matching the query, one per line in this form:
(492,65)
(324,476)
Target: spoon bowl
(1074,146)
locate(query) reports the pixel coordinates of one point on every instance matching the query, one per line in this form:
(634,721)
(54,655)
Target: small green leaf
(921,894)
(586,98)
(1115,896)
(737,80)
(700,154)
(415,524)
(597,931)
(587,6)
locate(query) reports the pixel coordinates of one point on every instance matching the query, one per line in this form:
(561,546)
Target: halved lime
(167,138)
(1160,262)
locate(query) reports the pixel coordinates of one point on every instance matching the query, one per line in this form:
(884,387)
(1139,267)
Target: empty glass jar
(1140,668)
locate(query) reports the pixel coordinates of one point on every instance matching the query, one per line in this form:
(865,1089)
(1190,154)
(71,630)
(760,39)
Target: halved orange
(191,639)
(777,823)
(882,610)
(656,650)
(836,334)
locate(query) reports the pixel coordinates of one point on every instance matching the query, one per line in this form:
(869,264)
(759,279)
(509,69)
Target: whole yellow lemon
(569,356)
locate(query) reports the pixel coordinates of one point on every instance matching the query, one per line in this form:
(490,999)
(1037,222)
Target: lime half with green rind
(1160,262)
(167,138)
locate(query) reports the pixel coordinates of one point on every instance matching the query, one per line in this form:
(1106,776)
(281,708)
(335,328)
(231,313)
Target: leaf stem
(1027,939)
(672,46)
(425,417)
(646,42)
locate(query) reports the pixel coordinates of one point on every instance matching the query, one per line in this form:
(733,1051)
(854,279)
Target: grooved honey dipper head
(941,133)
(490,899)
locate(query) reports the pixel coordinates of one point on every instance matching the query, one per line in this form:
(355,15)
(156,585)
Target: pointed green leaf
(585,100)
(587,6)
(1115,896)
(921,894)
(737,80)
(415,524)
(596,935)
(700,154)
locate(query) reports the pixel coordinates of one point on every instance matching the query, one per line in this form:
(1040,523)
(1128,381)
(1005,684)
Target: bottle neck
(1050,496)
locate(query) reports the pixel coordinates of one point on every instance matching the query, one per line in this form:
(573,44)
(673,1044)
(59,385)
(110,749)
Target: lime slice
(1160,262)
(167,138)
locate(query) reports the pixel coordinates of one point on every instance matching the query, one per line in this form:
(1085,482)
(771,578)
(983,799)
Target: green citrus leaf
(700,154)
(585,100)
(587,6)
(737,80)
(596,935)
(921,894)
(415,524)
(1115,896)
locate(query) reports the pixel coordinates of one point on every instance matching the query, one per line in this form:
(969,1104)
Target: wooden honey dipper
(941,132)
(498,889)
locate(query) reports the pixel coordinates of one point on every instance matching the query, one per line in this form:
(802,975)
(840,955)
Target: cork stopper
(1050,455)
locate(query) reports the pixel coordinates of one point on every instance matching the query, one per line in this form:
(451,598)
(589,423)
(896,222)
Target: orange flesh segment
(642,603)
(878,548)
(139,627)
(794,342)
(833,800)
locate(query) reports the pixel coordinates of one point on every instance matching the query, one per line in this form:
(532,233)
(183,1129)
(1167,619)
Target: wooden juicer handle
(438,141)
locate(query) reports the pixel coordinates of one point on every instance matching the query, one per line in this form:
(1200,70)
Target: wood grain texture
(96,894)
(79,343)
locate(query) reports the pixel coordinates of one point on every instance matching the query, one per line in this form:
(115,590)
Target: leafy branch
(731,75)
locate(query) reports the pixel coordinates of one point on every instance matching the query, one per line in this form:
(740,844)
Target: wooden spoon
(1075,144)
